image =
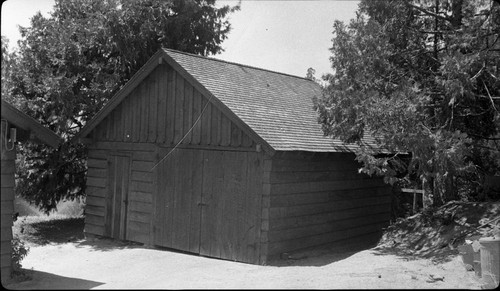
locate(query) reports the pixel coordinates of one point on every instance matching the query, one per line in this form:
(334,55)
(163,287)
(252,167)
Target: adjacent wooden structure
(16,126)
(226,161)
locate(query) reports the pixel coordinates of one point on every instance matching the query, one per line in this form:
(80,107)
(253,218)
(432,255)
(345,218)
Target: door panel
(117,214)
(208,202)
(222,219)
(196,202)
(177,213)
(210,224)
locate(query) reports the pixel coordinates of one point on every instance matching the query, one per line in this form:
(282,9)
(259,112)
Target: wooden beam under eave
(85,140)
(20,120)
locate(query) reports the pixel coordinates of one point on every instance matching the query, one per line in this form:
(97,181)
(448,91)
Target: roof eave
(145,70)
(28,123)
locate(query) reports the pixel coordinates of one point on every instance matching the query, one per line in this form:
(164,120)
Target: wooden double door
(207,202)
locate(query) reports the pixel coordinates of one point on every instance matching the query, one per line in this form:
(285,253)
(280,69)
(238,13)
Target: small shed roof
(30,127)
(277,107)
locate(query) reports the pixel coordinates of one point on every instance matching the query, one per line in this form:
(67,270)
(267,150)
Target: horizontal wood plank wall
(140,196)
(164,109)
(97,187)
(140,199)
(319,198)
(7,205)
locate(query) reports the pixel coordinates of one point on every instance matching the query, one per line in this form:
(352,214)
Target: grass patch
(36,228)
(71,208)
(24,208)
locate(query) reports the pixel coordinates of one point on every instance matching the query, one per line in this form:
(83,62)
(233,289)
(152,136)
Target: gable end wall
(162,109)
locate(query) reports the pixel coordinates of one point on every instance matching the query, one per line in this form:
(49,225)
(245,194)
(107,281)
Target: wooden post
(415,192)
(414,201)
(423,196)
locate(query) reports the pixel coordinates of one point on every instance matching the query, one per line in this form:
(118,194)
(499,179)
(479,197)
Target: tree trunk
(456,13)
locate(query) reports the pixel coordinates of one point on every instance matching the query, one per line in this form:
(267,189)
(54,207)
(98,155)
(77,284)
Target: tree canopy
(69,64)
(423,78)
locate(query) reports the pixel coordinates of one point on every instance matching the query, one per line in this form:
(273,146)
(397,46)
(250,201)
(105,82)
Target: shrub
(19,252)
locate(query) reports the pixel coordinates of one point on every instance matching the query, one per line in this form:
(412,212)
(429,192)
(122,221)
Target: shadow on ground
(434,234)
(41,231)
(47,281)
(327,254)
(104,244)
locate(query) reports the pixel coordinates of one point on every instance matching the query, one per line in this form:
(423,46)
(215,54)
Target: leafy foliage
(19,251)
(72,62)
(50,175)
(422,77)
(8,63)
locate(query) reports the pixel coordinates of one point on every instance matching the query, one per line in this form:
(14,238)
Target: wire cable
(194,124)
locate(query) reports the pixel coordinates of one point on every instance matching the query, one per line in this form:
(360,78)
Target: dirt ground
(105,264)
(60,257)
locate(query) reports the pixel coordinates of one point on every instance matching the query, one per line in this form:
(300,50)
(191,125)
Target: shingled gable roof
(28,124)
(276,109)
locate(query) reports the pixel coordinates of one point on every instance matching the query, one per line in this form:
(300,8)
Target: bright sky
(282,36)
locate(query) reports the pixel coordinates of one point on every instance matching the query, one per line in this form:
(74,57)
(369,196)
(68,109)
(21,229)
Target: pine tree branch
(484,137)
(491,98)
(488,97)
(487,147)
(427,12)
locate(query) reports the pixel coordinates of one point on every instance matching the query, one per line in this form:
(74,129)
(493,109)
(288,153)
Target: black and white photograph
(250,144)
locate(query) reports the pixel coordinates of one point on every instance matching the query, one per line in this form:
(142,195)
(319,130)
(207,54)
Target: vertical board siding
(170,76)
(165,108)
(206,124)
(180,215)
(189,201)
(162,103)
(317,199)
(215,128)
(129,121)
(204,208)
(253,207)
(116,197)
(188,112)
(195,180)
(235,135)
(208,230)
(109,127)
(135,114)
(118,123)
(144,113)
(179,108)
(153,106)
(196,118)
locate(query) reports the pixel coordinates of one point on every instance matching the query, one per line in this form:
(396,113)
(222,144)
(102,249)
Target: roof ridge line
(234,63)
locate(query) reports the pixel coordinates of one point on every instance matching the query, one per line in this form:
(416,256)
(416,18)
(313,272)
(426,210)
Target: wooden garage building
(223,160)
(26,128)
